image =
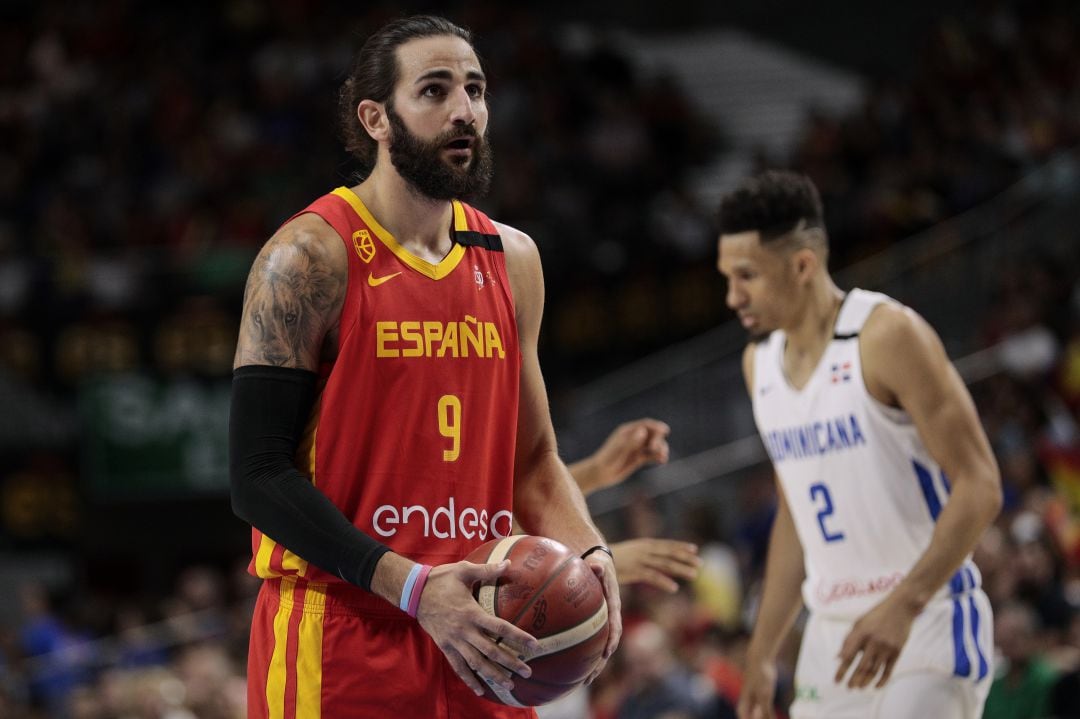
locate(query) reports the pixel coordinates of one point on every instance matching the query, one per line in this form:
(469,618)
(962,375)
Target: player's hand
(604,569)
(758,691)
(656,562)
(472,639)
(875,641)
(629,447)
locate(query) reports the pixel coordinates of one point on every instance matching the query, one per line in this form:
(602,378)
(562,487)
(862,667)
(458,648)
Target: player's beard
(420,162)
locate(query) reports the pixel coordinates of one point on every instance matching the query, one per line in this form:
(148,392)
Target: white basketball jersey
(864,492)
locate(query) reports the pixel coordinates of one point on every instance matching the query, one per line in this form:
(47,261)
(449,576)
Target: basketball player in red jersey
(389,414)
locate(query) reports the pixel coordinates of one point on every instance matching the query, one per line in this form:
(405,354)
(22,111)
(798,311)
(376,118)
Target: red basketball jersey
(413,433)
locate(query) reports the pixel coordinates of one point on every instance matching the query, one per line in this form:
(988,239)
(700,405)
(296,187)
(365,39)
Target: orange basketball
(553,595)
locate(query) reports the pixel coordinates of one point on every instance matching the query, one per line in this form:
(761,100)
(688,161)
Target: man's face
(438,119)
(761,282)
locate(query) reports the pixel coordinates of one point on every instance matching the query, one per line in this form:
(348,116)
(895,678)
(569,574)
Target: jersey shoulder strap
(472,228)
(856,309)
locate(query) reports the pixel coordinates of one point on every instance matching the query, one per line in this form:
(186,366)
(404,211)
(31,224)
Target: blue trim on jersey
(984,668)
(962,663)
(957,585)
(963,580)
(926,481)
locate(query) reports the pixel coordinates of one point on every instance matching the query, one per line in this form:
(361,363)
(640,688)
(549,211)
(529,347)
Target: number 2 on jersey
(819,494)
(450,425)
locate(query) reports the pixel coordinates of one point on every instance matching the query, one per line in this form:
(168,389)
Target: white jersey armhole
(858,307)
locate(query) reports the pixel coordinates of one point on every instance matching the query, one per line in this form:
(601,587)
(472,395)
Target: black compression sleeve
(270,408)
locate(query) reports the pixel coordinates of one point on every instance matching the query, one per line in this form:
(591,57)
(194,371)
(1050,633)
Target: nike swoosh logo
(376,281)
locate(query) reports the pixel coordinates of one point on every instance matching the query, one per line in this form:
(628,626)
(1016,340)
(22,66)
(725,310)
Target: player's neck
(813,327)
(419,224)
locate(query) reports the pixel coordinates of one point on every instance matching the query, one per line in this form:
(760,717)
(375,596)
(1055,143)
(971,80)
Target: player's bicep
(526,276)
(535,435)
(911,361)
(293,296)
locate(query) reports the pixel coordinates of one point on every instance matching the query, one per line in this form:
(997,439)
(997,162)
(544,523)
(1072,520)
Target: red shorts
(339,652)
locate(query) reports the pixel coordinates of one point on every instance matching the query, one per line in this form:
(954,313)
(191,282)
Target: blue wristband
(406,591)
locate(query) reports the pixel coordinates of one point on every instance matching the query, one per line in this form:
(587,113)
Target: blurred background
(147,150)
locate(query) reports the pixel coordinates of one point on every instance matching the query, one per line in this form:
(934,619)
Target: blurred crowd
(992,93)
(150,149)
(86,655)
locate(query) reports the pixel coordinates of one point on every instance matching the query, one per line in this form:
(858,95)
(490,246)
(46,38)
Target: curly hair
(374,73)
(773,203)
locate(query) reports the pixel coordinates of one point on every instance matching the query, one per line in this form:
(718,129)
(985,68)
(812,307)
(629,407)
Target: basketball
(552,594)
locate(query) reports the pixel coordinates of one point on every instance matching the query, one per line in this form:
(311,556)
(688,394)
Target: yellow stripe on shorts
(309,654)
(275,680)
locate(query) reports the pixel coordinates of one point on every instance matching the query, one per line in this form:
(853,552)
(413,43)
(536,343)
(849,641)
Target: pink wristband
(418,587)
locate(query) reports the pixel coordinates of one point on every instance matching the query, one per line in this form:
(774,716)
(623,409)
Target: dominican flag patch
(841,373)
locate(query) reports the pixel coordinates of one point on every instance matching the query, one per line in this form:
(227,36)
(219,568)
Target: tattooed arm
(293,298)
(292,304)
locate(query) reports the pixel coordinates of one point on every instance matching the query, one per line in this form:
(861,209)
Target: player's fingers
(683,551)
(461,668)
(855,680)
(489,671)
(865,670)
(678,566)
(846,658)
(753,707)
(853,644)
(472,573)
(761,711)
(512,637)
(886,672)
(505,655)
(614,631)
(596,672)
(614,604)
(656,426)
(658,447)
(658,579)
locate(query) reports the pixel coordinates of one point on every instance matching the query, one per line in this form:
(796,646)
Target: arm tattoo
(292,294)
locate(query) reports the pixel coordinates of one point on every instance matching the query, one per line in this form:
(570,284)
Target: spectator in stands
(1023,688)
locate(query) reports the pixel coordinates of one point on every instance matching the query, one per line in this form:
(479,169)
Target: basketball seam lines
(495,586)
(538,592)
(570,631)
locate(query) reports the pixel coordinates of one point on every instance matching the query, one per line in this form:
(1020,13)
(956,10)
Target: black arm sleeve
(270,408)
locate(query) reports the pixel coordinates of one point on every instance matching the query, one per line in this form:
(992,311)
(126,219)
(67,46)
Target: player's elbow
(240,492)
(995,499)
(248,478)
(991,498)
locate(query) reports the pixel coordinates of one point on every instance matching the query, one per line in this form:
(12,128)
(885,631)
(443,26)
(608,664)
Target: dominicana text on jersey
(814,439)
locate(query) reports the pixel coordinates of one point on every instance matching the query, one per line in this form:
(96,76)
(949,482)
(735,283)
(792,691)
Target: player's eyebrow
(442,74)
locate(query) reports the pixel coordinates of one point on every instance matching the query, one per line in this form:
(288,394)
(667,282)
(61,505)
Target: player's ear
(806,263)
(372,116)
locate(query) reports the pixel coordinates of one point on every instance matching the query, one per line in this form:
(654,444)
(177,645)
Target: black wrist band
(598,548)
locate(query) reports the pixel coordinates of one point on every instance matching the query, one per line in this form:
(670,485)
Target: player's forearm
(269,409)
(973,504)
(548,503)
(781,598)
